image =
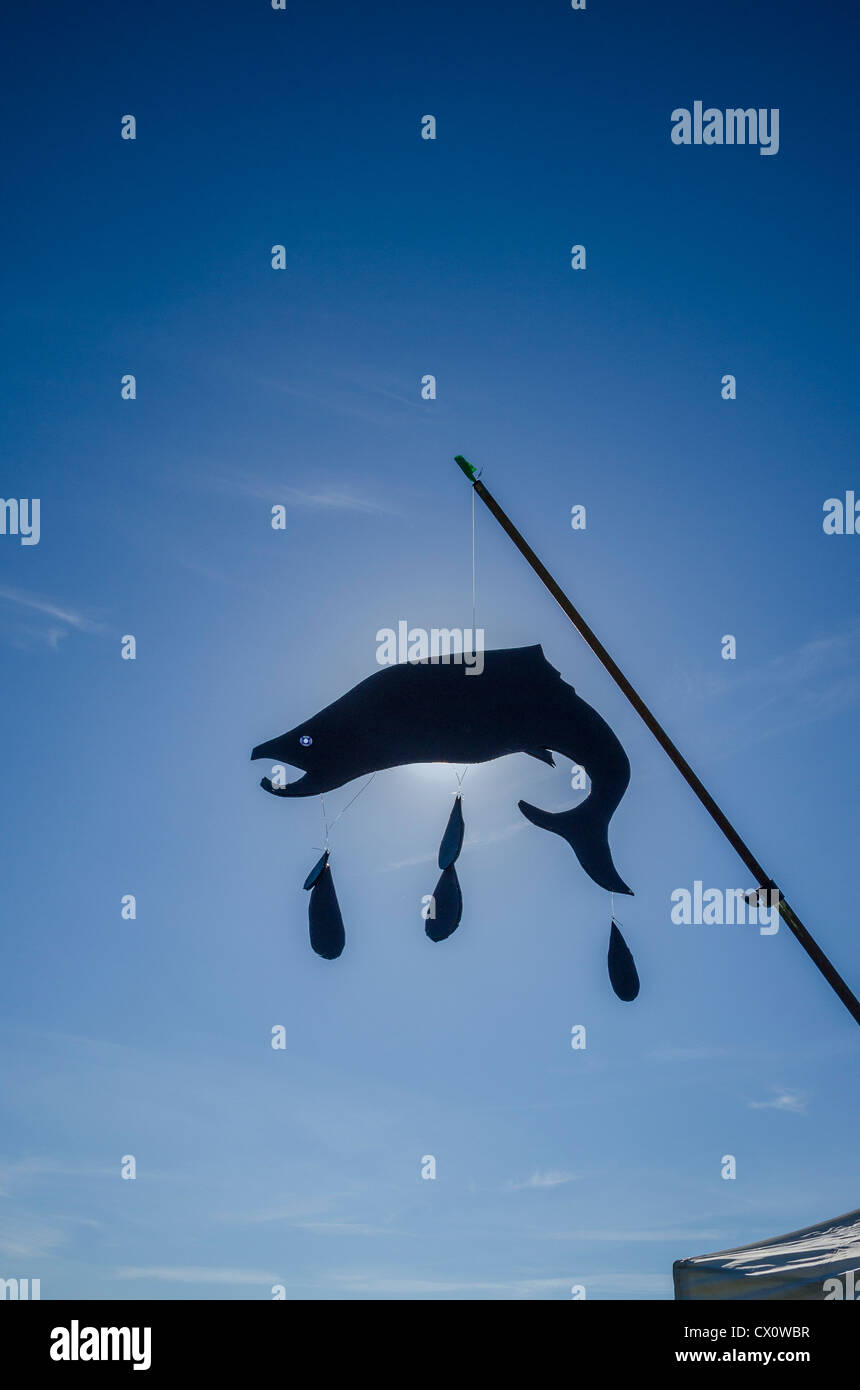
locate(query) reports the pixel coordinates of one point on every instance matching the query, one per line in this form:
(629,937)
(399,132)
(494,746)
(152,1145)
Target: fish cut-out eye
(306,740)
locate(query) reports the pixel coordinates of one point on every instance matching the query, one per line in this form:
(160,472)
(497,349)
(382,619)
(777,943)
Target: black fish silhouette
(447,897)
(447,905)
(328,937)
(452,840)
(431,711)
(623,975)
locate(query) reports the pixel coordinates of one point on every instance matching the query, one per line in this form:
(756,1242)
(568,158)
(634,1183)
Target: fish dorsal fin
(542,753)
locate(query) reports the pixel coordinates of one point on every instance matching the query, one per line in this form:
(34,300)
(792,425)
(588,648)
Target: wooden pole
(763,881)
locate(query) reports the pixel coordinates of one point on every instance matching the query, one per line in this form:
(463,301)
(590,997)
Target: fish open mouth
(264,750)
(289,789)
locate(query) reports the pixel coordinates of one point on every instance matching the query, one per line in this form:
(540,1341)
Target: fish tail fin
(586,829)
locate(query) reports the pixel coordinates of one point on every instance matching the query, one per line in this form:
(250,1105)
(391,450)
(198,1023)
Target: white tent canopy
(796,1266)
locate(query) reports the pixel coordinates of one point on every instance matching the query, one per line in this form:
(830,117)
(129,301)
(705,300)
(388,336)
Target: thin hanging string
(474,586)
(329,827)
(461,779)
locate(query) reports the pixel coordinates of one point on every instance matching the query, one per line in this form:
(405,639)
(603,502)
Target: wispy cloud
(197,1274)
(816,680)
(62,617)
(400,1287)
(622,1285)
(330,500)
(346,1228)
(622,1236)
(354,394)
(333,498)
(15,1173)
(629,1285)
(28,1238)
(227,577)
(688,1054)
(290,1210)
(552,1178)
(792,1101)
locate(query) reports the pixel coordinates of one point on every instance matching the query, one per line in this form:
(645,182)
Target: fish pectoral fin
(542,753)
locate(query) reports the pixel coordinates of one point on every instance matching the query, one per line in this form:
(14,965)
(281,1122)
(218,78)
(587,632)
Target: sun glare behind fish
(445,774)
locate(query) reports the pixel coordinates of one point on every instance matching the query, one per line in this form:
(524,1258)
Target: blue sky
(255,387)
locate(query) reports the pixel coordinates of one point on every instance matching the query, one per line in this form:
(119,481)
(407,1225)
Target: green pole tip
(466,467)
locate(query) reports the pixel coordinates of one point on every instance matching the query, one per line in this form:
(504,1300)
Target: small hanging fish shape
(328,937)
(447,906)
(452,840)
(447,897)
(623,975)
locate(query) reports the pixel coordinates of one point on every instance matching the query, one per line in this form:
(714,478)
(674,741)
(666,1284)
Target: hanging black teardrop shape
(452,840)
(447,905)
(328,937)
(316,871)
(623,975)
